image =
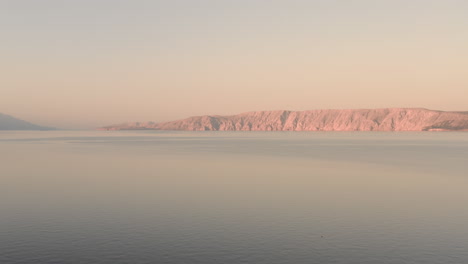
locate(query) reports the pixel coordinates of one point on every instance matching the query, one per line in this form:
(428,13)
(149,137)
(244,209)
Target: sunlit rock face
(386,119)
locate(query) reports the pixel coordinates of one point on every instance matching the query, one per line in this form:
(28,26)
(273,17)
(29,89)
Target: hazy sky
(88,63)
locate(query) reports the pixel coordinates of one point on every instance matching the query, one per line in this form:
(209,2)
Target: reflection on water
(221,197)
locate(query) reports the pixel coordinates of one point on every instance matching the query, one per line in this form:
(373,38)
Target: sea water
(233,197)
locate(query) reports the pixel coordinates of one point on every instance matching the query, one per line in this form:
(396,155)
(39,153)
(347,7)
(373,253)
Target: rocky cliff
(387,119)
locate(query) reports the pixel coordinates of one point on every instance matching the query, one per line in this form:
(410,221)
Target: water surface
(240,197)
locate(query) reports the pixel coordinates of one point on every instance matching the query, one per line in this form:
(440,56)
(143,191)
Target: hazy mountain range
(11,123)
(385,119)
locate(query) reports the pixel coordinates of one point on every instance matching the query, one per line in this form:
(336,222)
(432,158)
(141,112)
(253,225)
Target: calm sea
(222,197)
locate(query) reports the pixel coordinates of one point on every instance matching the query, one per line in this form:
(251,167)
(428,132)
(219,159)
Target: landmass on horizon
(384,119)
(11,123)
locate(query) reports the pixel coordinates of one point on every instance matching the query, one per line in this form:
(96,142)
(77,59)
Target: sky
(82,64)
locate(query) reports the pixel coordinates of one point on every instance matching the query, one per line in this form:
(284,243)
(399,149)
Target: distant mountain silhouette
(385,119)
(11,123)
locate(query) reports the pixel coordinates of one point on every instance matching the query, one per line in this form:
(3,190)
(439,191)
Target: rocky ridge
(385,119)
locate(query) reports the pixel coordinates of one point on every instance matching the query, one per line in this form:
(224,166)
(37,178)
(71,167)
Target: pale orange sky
(84,64)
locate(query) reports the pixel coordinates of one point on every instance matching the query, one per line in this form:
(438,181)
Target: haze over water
(92,63)
(225,197)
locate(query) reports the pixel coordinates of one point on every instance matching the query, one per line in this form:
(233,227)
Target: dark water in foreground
(160,197)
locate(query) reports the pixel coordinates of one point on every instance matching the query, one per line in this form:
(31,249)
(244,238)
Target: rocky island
(385,119)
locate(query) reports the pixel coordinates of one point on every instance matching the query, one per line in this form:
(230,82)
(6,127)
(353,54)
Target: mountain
(386,119)
(10,123)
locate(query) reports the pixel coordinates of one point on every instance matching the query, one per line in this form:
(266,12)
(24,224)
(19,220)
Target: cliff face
(387,119)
